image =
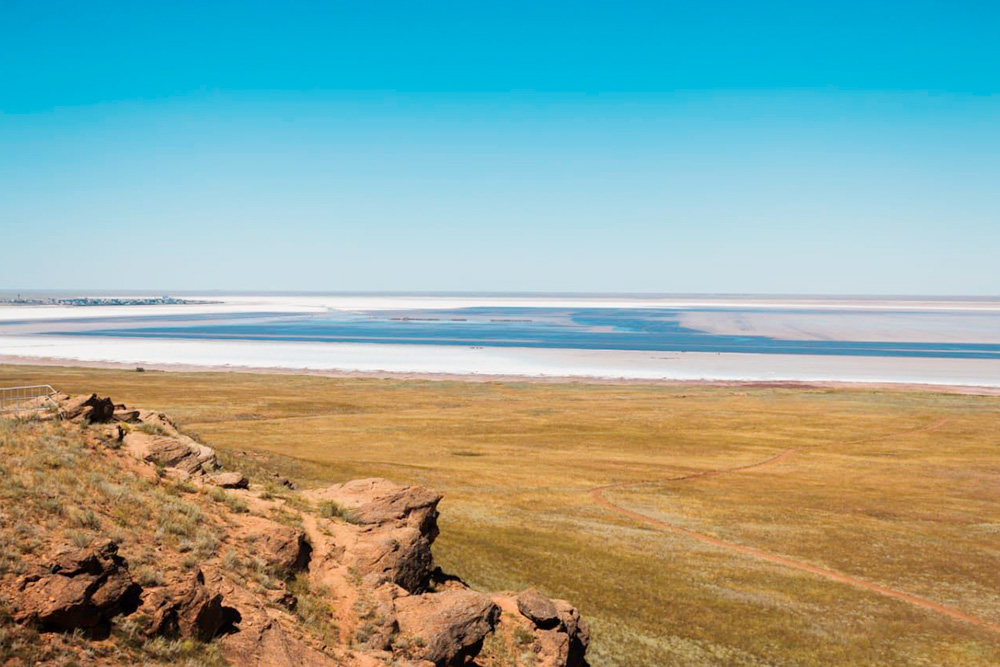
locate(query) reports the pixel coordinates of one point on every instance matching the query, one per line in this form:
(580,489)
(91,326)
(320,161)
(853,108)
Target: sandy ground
(484,363)
(969,390)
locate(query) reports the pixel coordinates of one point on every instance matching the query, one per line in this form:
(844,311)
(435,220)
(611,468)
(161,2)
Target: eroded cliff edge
(122,541)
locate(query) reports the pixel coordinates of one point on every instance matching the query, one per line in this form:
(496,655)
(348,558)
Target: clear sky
(765,147)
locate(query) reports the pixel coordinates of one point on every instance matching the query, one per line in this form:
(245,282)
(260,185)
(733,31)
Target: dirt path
(597,495)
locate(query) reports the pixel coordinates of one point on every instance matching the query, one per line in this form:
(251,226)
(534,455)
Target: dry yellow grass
(62,486)
(868,492)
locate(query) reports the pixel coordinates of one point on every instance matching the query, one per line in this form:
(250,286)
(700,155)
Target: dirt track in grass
(597,495)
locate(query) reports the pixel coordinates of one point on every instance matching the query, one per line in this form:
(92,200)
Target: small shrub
(147,576)
(235,504)
(331,510)
(51,505)
(313,609)
(80,538)
(187,652)
(206,545)
(181,487)
(152,429)
(523,636)
(86,519)
(364,633)
(231,561)
(112,492)
(287,518)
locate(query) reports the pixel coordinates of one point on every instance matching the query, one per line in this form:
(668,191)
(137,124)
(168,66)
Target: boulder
(230,480)
(577,630)
(442,581)
(377,501)
(381,554)
(377,626)
(394,528)
(170,452)
(562,644)
(123,414)
(269,636)
(158,441)
(538,608)
(113,433)
(88,408)
(281,596)
(264,641)
(286,550)
(446,628)
(83,588)
(283,481)
(154,418)
(187,609)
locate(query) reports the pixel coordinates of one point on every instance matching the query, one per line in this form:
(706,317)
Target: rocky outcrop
(286,550)
(382,627)
(148,435)
(269,636)
(83,588)
(155,419)
(123,414)
(89,408)
(396,554)
(386,544)
(281,596)
(265,642)
(360,561)
(229,480)
(157,440)
(559,636)
(188,610)
(376,501)
(283,481)
(446,628)
(170,452)
(537,608)
(394,529)
(576,630)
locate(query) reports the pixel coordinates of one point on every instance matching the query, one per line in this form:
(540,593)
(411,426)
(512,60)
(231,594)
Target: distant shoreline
(957,389)
(53,335)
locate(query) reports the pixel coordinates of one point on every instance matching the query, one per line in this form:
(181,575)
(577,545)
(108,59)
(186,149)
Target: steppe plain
(598,492)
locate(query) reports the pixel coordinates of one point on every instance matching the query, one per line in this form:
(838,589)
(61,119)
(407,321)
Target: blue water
(593,329)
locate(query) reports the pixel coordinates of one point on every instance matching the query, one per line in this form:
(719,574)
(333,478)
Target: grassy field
(900,489)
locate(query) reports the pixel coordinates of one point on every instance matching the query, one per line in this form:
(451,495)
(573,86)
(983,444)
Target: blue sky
(651,147)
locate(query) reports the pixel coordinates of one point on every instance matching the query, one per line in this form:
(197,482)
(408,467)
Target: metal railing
(34,397)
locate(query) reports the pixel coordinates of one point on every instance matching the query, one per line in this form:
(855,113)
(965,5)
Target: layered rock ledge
(358,555)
